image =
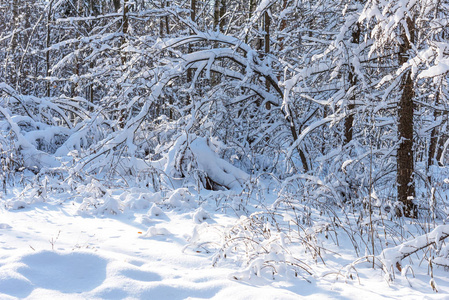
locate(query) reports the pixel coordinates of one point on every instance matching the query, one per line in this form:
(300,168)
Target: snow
(218,169)
(391,256)
(160,185)
(441,68)
(51,250)
(33,156)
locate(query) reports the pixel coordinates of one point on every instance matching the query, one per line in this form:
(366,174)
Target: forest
(314,126)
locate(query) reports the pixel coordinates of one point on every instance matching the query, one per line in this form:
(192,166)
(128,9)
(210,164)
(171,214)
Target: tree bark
(441,141)
(433,141)
(216,15)
(352,77)
(76,63)
(405,161)
(193,19)
(116,4)
(9,73)
(125,25)
(47,53)
(252,7)
(267,23)
(163,23)
(282,27)
(222,15)
(219,12)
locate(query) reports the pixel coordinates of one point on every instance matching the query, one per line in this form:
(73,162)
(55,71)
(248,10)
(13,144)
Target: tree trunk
(219,12)
(222,15)
(125,25)
(193,19)
(216,15)
(163,23)
(47,53)
(267,23)
(433,141)
(15,20)
(441,141)
(405,161)
(167,27)
(349,120)
(193,10)
(116,4)
(76,63)
(252,7)
(438,137)
(9,74)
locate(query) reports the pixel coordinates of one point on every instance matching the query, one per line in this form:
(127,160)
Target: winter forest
(273,149)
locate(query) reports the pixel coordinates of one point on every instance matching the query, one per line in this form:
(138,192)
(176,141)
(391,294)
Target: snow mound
(4,226)
(154,231)
(181,198)
(141,200)
(63,272)
(200,216)
(155,211)
(16,204)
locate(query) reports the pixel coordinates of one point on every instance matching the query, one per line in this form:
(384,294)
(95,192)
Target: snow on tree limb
(393,256)
(219,170)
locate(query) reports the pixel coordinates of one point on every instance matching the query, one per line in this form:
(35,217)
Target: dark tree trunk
(163,23)
(125,25)
(441,141)
(193,10)
(219,13)
(282,27)
(9,73)
(252,7)
(193,19)
(47,53)
(405,161)
(349,120)
(267,23)
(76,63)
(216,14)
(167,25)
(116,4)
(15,18)
(91,12)
(433,141)
(438,137)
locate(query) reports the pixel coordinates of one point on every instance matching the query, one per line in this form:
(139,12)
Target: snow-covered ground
(57,250)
